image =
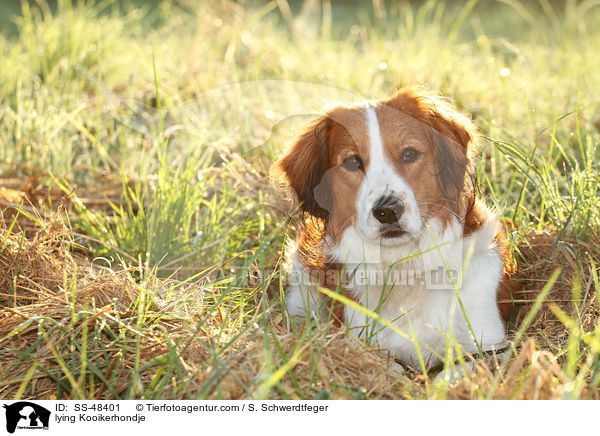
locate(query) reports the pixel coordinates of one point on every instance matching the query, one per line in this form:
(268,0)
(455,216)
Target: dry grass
(539,255)
(54,297)
(52,285)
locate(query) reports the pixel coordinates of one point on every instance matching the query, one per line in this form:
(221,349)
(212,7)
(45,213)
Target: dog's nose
(388,209)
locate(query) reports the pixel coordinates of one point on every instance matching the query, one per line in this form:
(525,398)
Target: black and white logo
(25,415)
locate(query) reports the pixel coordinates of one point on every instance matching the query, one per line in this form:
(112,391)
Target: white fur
(391,277)
(302,295)
(433,311)
(381,178)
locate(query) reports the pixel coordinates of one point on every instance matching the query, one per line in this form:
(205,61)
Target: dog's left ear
(453,136)
(453,170)
(304,166)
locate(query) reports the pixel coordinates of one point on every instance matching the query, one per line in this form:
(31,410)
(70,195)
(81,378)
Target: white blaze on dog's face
(386,206)
(385,168)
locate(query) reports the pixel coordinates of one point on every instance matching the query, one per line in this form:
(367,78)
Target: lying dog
(391,218)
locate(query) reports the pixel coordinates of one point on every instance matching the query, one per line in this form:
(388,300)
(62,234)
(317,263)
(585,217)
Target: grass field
(141,236)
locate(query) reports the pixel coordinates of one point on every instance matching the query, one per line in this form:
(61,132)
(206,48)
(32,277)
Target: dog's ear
(304,166)
(453,136)
(453,171)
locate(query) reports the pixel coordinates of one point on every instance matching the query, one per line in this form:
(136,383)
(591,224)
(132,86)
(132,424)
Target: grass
(141,236)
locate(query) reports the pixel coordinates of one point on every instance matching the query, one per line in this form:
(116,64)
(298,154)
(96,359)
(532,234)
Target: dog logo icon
(26,415)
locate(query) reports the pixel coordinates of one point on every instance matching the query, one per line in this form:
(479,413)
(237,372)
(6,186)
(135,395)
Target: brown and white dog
(387,191)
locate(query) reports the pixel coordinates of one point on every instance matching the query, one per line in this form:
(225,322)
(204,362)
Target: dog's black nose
(388,209)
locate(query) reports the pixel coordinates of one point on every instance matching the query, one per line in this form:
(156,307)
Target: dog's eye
(353,163)
(409,155)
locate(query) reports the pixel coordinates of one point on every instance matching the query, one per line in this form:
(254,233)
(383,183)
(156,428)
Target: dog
(390,217)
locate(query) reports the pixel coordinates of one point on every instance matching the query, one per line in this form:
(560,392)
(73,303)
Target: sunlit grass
(188,103)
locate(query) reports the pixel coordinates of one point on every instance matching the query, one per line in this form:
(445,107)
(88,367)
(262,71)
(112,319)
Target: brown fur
(442,180)
(310,253)
(507,287)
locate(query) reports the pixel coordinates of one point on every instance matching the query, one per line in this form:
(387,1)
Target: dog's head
(385,167)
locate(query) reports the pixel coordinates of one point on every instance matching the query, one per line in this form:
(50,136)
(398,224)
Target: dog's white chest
(438,292)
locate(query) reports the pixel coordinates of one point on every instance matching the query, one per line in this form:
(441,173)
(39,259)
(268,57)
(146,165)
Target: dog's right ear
(303,167)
